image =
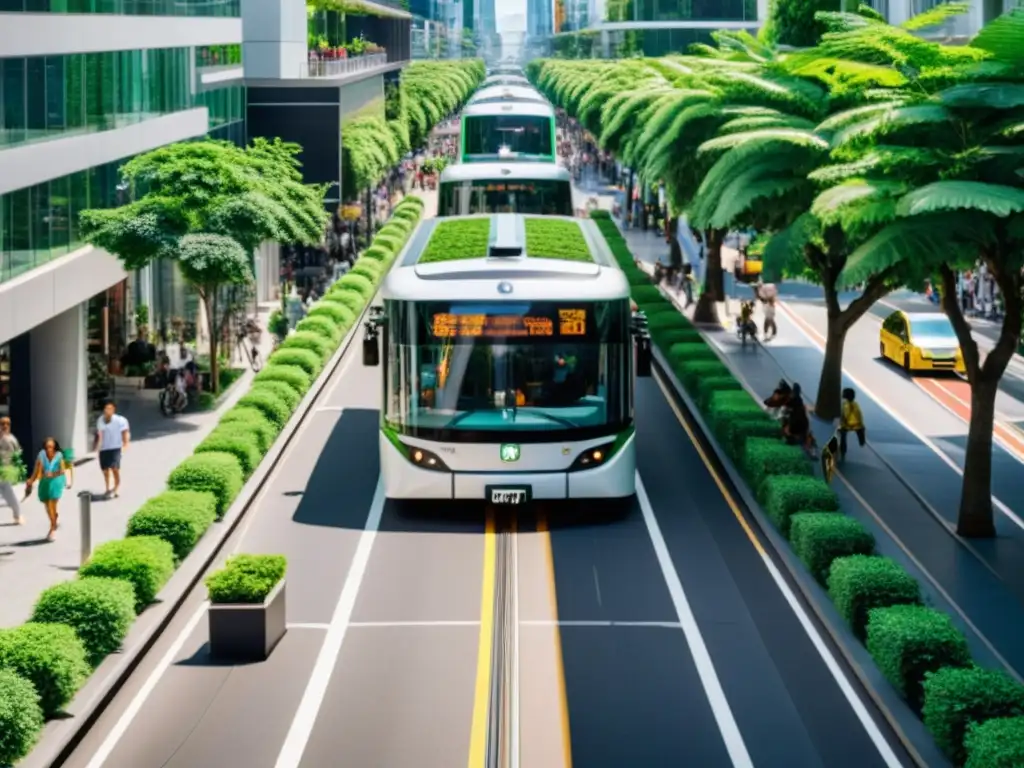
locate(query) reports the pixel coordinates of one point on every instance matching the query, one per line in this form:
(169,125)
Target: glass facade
(218,55)
(694,10)
(223,8)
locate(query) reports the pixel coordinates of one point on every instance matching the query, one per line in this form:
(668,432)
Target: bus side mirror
(371,346)
(643,356)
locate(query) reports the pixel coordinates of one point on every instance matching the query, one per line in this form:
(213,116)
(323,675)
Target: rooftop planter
(469,238)
(247,607)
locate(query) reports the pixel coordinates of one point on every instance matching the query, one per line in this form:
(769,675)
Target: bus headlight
(592,457)
(425,459)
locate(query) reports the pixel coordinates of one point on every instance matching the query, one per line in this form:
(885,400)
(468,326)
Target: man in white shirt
(112,437)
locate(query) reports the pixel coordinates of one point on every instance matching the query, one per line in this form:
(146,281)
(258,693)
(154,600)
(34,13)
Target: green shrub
(395,230)
(51,657)
(393,244)
(858,584)
(320,326)
(359,284)
(314,342)
(646,293)
(707,388)
(785,495)
(379,254)
(100,610)
(269,404)
(292,375)
(301,358)
(909,641)
(21,717)
(819,538)
(337,313)
(178,517)
(766,458)
(145,562)
(367,270)
(996,743)
(246,579)
(726,407)
(345,295)
(955,697)
(736,433)
(690,372)
(216,473)
(254,420)
(279,389)
(667,337)
(681,354)
(671,321)
(236,440)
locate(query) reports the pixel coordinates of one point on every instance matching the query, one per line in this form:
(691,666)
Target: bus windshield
(492,135)
(538,198)
(539,371)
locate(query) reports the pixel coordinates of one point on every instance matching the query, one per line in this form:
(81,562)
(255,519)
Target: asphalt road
(648,635)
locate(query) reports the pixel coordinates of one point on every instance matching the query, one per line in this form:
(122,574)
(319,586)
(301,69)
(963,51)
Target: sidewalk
(901,491)
(29,564)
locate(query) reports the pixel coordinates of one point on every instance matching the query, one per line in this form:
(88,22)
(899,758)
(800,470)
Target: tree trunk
(975,518)
(828,403)
(706,311)
(211,321)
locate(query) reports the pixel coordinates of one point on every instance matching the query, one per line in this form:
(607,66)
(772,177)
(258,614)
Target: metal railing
(340,67)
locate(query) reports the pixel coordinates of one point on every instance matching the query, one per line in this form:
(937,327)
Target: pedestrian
(10,450)
(770,328)
(851,420)
(112,437)
(53,474)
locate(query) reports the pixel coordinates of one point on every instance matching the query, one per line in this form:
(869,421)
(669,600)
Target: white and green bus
(509,363)
(503,93)
(543,189)
(507,130)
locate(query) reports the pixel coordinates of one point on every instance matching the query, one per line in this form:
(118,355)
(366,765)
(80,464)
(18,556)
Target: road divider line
(727,726)
(482,695)
(410,624)
(1009,441)
(114,736)
(514,669)
(812,336)
(316,688)
(854,700)
(563,695)
(309,626)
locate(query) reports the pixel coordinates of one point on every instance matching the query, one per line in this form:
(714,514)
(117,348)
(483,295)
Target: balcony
(319,66)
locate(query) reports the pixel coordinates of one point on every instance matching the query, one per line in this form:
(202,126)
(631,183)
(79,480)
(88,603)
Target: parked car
(921,341)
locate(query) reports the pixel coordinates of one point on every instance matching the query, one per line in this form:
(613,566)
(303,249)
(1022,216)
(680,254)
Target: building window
(223,8)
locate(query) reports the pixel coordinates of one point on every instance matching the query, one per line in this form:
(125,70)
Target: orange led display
(571,322)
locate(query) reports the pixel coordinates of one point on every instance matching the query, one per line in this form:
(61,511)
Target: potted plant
(277,324)
(247,607)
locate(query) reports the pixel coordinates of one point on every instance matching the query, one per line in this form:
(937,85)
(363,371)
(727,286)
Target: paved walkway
(29,564)
(907,496)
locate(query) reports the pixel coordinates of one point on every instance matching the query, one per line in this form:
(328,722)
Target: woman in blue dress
(51,472)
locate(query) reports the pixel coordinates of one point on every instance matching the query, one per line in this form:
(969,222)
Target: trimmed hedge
(785,495)
(145,562)
(819,539)
(369,269)
(744,427)
(996,743)
(51,657)
(359,284)
(956,697)
(269,403)
(311,340)
(300,358)
(690,372)
(217,473)
(292,375)
(282,392)
(908,642)
(320,326)
(238,441)
(858,584)
(21,717)
(246,579)
(707,388)
(339,315)
(766,458)
(178,517)
(100,610)
(252,419)
(378,253)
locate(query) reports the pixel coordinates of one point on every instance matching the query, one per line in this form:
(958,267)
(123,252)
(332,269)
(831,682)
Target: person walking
(10,449)
(112,438)
(53,474)
(851,420)
(770,328)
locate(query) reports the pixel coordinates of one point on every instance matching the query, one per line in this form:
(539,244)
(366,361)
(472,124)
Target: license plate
(513,496)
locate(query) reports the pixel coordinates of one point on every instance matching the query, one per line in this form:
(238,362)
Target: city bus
(501,93)
(503,131)
(529,188)
(510,351)
(506,69)
(506,80)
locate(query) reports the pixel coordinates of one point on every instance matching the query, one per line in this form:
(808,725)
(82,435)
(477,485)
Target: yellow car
(921,341)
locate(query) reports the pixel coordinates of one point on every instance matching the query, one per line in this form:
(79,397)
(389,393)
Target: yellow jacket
(852,419)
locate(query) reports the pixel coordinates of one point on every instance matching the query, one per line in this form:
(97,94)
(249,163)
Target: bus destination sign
(570,322)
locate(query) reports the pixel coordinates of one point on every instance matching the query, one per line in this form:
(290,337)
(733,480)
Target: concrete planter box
(129,382)
(244,632)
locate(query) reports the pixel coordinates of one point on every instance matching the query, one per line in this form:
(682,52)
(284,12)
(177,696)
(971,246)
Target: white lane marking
(600,623)
(309,626)
(331,408)
(101,755)
(411,624)
(698,650)
(797,320)
(597,588)
(316,688)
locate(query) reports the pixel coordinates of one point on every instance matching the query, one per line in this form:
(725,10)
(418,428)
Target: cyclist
(851,420)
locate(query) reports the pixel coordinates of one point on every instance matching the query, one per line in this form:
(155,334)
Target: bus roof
(496,108)
(507,93)
(505,80)
(516,170)
(521,276)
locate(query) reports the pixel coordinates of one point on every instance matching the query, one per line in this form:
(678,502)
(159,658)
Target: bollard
(85,507)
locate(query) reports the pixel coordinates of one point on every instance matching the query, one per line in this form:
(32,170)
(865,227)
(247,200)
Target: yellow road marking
(549,559)
(670,399)
(482,697)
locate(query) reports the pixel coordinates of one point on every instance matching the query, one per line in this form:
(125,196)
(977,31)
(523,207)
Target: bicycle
(828,457)
(247,339)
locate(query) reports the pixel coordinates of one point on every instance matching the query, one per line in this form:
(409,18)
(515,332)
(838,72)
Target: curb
(906,726)
(60,738)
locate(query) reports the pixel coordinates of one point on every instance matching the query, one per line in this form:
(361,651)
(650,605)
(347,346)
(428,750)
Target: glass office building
(198,8)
